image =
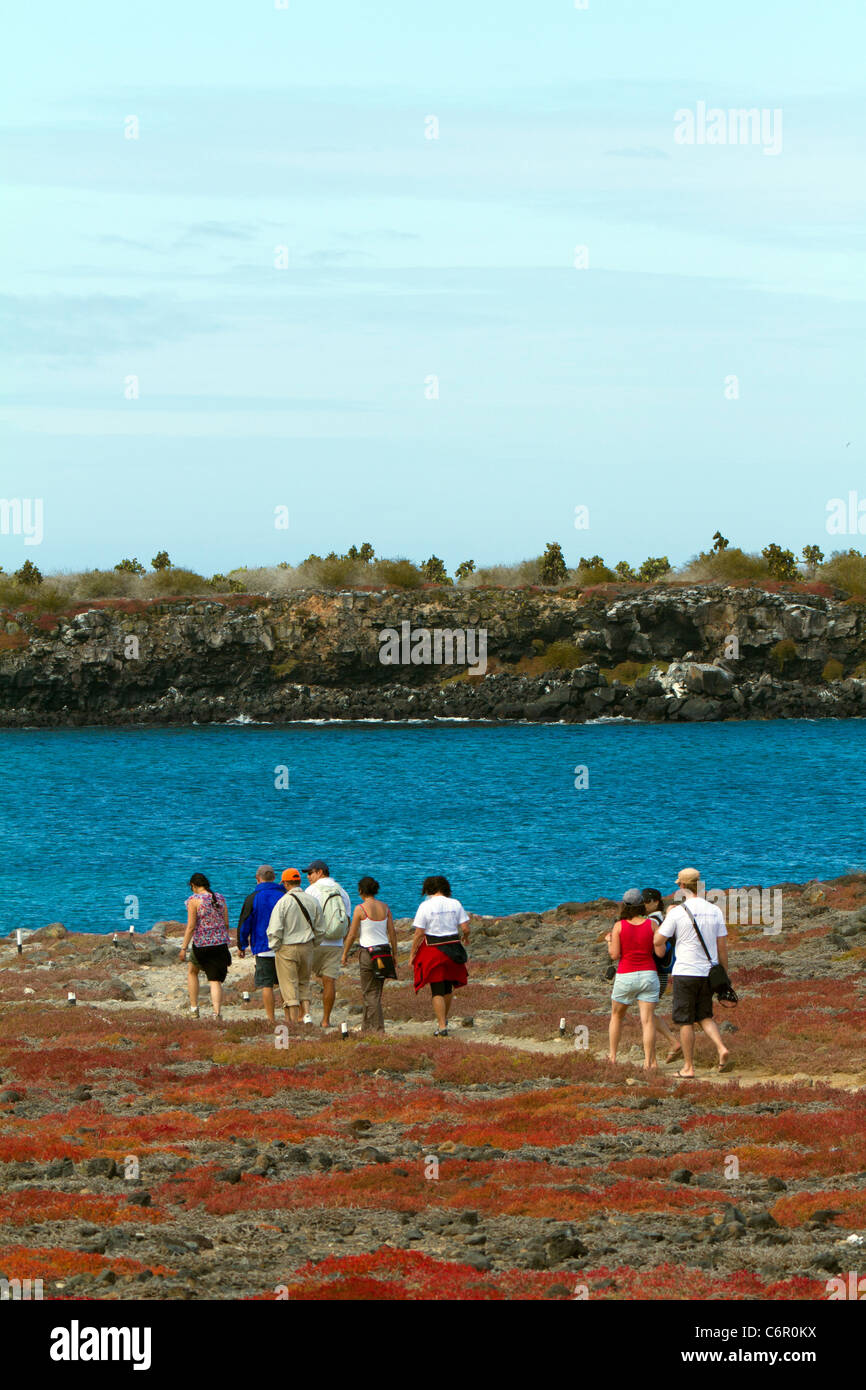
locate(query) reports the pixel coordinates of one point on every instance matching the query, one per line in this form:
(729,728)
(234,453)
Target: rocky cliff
(656,653)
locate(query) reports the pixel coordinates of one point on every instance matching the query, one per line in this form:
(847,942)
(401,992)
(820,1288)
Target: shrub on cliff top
(552,566)
(103,584)
(593,570)
(174,582)
(727,566)
(28,575)
(847,570)
(399,574)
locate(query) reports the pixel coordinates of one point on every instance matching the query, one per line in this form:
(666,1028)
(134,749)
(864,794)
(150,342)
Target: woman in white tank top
(373,928)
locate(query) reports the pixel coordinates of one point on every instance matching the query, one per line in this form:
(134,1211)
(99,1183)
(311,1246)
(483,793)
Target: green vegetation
(28,575)
(400,574)
(780,563)
(782,653)
(726,566)
(655,567)
(553,567)
(723,563)
(627,672)
(846,569)
(813,556)
(172,583)
(833,670)
(434,571)
(593,571)
(562,656)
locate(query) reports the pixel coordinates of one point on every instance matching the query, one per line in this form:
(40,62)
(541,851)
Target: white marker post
(132,929)
(246,996)
(114,939)
(562,1027)
(18,941)
(70,998)
(344,1031)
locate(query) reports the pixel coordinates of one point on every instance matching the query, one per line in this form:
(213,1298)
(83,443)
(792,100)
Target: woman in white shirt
(373,924)
(438,954)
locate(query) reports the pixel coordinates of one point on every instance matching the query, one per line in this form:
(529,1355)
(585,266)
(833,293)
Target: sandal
(686,1076)
(674,1053)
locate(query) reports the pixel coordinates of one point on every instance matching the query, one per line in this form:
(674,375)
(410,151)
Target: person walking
(438,954)
(295,922)
(656,913)
(253,934)
(336,908)
(207,927)
(631,945)
(373,927)
(686,924)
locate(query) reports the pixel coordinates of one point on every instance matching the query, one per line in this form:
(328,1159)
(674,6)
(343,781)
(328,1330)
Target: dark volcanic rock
(315,654)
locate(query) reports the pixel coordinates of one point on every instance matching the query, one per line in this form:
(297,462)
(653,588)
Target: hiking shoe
(193,1013)
(308,1018)
(440,1032)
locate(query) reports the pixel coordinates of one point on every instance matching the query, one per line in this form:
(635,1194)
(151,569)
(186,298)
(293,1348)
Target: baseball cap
(290,876)
(316,864)
(632,895)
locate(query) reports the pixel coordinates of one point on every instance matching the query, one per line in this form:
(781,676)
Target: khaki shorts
(293,972)
(326,961)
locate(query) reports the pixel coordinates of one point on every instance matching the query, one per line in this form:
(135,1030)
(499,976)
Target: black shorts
(693,999)
(266,973)
(213,960)
(441,987)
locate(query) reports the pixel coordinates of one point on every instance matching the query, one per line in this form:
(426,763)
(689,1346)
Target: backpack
(336,917)
(664,964)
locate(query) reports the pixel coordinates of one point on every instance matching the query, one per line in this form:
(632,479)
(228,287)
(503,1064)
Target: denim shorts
(636,985)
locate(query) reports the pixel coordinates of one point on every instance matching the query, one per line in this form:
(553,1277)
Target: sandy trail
(166,992)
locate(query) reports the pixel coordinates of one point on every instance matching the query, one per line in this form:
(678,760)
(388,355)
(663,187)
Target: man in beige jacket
(294,925)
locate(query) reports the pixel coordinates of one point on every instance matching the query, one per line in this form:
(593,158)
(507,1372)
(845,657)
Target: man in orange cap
(295,923)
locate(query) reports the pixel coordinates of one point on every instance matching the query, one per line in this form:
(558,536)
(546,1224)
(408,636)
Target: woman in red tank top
(630,944)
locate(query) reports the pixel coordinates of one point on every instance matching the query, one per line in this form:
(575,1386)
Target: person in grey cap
(336,908)
(630,944)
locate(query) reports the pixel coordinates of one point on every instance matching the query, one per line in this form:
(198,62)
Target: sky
(327,258)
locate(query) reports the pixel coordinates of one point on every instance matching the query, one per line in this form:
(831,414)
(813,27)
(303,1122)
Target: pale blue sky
(409,257)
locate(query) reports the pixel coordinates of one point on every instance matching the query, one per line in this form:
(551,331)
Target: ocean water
(92,819)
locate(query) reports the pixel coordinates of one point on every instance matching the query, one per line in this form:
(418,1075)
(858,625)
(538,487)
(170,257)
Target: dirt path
(167,994)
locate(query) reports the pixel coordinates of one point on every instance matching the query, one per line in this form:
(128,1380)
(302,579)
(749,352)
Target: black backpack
(665,963)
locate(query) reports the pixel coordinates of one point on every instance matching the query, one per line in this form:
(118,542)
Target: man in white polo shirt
(336,905)
(692,1000)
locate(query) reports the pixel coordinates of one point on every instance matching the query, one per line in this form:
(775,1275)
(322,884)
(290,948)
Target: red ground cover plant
(666,1281)
(535,1117)
(502,1188)
(34,1205)
(388,1274)
(50,1263)
(798,1207)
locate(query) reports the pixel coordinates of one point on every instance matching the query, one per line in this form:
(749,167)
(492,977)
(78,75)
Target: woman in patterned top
(207,926)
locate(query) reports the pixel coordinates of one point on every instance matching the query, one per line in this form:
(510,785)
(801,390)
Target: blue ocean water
(92,817)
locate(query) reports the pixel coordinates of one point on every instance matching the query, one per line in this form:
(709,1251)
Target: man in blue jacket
(253,934)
